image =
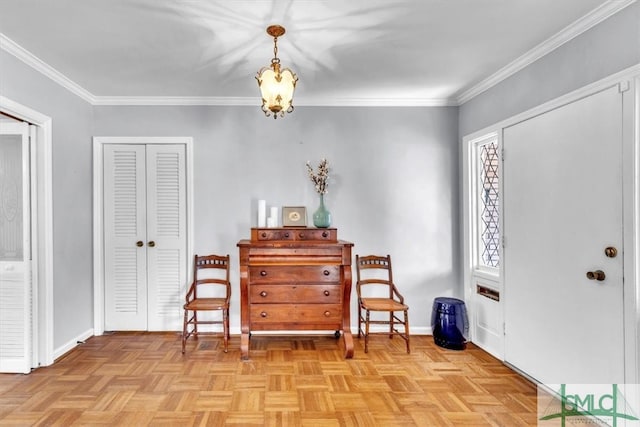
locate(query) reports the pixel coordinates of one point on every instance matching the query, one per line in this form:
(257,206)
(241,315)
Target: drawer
(310,294)
(316,234)
(294,274)
(296,313)
(295,233)
(277,234)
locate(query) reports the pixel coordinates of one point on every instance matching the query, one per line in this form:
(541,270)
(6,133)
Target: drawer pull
(263,294)
(263,314)
(327,293)
(264,235)
(326,272)
(301,235)
(263,273)
(286,234)
(327,313)
(325,234)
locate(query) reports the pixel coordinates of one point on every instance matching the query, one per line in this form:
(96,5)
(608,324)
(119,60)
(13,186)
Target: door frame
(98,215)
(628,80)
(42,226)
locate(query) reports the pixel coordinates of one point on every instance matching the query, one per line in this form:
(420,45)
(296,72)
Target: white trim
(44,239)
(583,24)
(98,218)
(255,101)
(39,65)
(631,209)
(631,248)
(72,343)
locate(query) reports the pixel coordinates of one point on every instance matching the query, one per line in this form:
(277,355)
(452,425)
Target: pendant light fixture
(276,84)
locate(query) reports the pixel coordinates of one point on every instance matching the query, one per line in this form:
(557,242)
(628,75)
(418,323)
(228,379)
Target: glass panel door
(15,253)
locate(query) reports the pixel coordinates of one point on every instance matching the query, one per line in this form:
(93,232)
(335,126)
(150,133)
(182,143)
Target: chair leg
(359,320)
(225,328)
(184,330)
(366,333)
(194,332)
(391,324)
(406,330)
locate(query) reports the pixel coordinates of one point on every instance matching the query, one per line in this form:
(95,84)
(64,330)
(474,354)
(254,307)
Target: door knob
(596,275)
(152,244)
(611,252)
(139,243)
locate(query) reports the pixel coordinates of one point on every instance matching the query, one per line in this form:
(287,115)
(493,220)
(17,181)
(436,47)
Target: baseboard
(71,344)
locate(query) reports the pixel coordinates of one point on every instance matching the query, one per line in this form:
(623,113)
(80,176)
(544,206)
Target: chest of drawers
(295,279)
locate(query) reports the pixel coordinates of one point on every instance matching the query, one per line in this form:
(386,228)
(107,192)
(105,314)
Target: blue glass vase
(322,217)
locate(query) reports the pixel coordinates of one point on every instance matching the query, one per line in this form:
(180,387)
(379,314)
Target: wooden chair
(209,291)
(375,272)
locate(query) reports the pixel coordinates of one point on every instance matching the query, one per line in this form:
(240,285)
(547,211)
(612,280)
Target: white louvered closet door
(15,249)
(166,225)
(144,235)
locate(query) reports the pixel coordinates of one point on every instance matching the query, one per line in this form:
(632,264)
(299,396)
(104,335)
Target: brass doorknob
(152,244)
(611,252)
(596,275)
(139,243)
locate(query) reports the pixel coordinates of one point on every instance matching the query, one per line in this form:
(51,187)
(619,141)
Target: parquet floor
(140,379)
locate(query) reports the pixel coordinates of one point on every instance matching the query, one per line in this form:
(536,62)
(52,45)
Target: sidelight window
(487,196)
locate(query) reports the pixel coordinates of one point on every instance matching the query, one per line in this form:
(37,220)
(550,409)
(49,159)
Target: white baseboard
(71,344)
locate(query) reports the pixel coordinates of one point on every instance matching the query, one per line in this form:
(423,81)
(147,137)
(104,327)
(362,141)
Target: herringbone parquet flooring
(140,379)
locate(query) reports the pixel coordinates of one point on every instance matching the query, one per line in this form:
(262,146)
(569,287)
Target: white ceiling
(382,52)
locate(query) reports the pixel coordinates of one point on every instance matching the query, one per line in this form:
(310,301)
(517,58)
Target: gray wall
(605,49)
(393,185)
(72,123)
(392,188)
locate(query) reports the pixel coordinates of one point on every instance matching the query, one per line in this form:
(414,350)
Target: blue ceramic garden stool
(449,323)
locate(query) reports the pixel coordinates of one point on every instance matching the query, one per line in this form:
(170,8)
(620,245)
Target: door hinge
(502,153)
(504,328)
(504,241)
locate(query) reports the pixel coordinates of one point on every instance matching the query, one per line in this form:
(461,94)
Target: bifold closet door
(16,291)
(144,235)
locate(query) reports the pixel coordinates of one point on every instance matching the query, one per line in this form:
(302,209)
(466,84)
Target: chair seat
(207,304)
(382,304)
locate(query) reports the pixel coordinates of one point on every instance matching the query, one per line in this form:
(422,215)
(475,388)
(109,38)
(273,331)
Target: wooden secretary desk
(295,278)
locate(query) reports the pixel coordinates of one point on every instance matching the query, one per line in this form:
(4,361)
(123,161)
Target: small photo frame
(294,216)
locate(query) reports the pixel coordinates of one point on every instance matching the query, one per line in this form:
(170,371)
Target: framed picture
(294,216)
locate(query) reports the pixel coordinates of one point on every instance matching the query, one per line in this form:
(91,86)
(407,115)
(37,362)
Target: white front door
(144,235)
(562,210)
(15,249)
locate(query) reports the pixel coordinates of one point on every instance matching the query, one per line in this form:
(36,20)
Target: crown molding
(255,101)
(175,100)
(578,27)
(36,63)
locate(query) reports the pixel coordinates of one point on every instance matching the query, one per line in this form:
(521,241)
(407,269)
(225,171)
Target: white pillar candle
(262,213)
(274,215)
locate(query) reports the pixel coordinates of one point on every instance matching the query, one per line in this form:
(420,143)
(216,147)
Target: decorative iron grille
(489,205)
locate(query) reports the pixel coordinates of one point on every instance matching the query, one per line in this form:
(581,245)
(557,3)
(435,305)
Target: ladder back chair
(210,291)
(375,271)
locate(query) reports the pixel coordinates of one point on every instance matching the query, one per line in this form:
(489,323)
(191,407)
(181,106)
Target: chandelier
(276,84)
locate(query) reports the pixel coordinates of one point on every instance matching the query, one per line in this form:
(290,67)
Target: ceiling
(378,52)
